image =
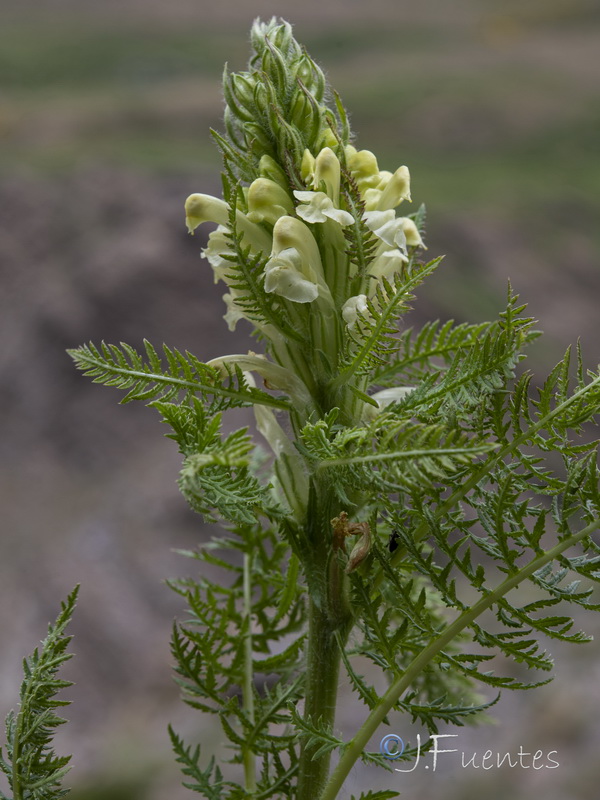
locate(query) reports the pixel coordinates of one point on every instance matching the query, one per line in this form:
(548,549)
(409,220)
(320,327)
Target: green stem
(358,743)
(321,696)
(329,622)
(248,685)
(16,777)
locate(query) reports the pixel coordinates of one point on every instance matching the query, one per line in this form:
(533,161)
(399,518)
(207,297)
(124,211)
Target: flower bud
(274,65)
(233,128)
(267,201)
(269,168)
(243,87)
(306,115)
(279,34)
(327,169)
(289,137)
(307,167)
(311,76)
(261,96)
(257,140)
(239,95)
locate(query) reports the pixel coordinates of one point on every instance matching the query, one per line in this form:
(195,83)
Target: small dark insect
(393,541)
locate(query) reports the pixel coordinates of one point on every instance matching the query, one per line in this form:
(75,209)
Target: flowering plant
(414,480)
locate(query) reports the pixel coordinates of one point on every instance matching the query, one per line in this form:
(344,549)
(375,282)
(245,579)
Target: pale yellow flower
(284,276)
(267,201)
(354,308)
(328,171)
(318,207)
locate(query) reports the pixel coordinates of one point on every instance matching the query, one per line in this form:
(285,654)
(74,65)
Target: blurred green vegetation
(128,790)
(484,114)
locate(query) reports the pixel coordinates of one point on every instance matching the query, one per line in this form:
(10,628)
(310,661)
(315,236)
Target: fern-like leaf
(208,782)
(374,340)
(33,769)
(184,375)
(389,454)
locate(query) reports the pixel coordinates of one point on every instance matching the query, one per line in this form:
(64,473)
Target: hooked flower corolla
(283,276)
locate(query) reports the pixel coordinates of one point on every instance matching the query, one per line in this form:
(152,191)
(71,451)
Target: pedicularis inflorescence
(416,477)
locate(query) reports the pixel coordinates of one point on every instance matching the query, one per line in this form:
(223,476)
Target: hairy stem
(358,743)
(328,626)
(321,697)
(248,686)
(16,778)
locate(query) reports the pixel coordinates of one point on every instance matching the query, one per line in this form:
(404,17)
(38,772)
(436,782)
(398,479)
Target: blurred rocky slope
(104,116)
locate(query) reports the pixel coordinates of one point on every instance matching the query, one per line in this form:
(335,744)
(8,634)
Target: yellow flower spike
(327,169)
(307,167)
(396,190)
(267,201)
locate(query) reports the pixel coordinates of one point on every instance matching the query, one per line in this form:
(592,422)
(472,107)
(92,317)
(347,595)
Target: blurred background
(104,115)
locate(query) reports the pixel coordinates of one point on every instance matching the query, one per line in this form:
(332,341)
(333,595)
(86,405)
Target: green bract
(416,477)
